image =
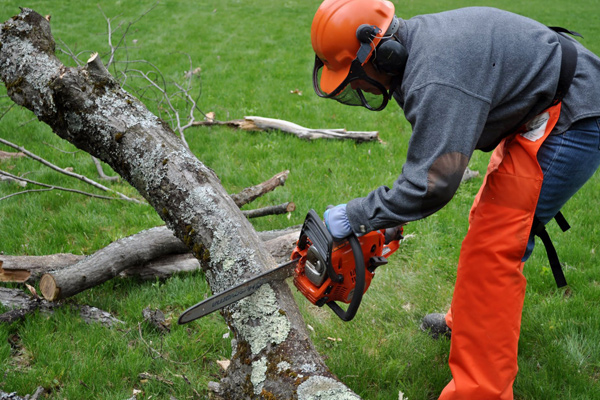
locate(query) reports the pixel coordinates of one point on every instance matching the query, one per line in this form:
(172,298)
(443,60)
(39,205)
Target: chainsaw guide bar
(237,293)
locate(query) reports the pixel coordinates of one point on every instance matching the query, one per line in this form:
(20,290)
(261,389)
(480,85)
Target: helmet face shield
(358,89)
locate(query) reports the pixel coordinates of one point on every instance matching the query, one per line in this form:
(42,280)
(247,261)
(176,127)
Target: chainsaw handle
(359,288)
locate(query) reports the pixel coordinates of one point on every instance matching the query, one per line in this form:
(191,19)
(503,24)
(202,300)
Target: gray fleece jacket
(472,77)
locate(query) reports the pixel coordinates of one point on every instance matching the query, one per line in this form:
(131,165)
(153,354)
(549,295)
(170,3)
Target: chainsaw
(325,271)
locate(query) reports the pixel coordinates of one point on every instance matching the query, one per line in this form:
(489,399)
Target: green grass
(252,54)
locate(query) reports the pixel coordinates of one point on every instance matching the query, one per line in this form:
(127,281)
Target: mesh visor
(358,89)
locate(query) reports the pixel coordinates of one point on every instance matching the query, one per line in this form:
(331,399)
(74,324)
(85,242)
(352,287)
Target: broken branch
(50,187)
(249,194)
(267,124)
(270,210)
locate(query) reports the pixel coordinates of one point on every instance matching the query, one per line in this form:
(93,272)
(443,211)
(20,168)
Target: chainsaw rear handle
(359,288)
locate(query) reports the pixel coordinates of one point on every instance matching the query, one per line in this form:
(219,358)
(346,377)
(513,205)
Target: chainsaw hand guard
(359,287)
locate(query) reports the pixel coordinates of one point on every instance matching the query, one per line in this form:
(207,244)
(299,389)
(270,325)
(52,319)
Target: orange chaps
(485,315)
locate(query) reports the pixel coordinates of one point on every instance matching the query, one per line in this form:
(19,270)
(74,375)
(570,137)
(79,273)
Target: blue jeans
(568,160)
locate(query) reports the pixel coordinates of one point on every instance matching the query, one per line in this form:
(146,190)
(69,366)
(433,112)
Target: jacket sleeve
(447,123)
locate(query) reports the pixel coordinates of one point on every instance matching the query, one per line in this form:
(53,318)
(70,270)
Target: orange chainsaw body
(375,253)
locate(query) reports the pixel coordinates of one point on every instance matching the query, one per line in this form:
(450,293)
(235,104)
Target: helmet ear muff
(390,57)
(365,33)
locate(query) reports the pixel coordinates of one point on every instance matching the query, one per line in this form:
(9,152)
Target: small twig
(22,124)
(101,173)
(7,110)
(190,383)
(60,150)
(70,53)
(50,187)
(24,192)
(148,376)
(113,49)
(167,99)
(68,173)
(159,355)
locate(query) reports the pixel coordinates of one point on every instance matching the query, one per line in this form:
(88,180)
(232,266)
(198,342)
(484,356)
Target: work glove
(392,234)
(336,221)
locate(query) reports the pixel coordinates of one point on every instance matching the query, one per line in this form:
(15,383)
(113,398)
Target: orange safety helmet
(334,35)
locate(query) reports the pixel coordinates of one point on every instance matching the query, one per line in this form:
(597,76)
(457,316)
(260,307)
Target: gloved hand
(337,222)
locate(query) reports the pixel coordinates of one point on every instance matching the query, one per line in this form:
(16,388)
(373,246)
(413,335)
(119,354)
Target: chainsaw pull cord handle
(359,287)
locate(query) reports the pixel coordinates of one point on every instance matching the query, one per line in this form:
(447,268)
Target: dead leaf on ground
(224,364)
(210,116)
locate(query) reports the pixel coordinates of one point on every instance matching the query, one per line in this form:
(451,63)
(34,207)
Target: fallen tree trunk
(87,107)
(174,257)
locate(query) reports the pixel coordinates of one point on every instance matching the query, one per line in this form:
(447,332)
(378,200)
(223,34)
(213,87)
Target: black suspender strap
(562,222)
(568,63)
(539,230)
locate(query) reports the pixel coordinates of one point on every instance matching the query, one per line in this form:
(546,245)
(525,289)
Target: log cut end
(96,67)
(48,287)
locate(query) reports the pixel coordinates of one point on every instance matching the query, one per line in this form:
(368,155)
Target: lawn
(255,58)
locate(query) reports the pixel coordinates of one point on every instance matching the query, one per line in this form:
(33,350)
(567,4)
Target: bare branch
(7,110)
(65,49)
(51,187)
(64,171)
(110,31)
(60,150)
(25,192)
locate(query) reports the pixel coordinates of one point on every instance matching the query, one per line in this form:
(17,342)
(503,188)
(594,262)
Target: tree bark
(87,107)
